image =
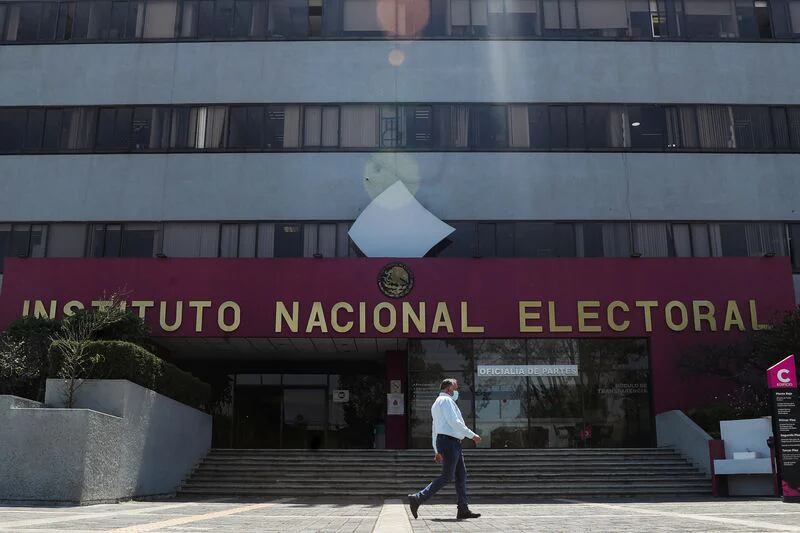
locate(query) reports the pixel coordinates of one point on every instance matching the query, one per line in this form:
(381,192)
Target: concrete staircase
(516,473)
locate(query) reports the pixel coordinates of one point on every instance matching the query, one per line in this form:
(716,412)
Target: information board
(782,381)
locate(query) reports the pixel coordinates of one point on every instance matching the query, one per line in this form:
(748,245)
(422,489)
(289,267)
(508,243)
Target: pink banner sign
(782,375)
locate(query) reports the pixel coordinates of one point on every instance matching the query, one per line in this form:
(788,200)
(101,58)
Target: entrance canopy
(279,348)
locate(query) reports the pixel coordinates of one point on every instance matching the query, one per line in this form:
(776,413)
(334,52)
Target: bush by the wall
(125,360)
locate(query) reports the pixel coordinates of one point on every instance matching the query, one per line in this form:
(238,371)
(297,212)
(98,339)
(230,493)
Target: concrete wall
(676,430)
(64,455)
(466,71)
(119,441)
(582,186)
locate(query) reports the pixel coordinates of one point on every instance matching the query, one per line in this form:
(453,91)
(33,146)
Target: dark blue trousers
(452,467)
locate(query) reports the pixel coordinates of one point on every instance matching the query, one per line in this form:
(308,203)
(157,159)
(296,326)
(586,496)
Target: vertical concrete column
(397,370)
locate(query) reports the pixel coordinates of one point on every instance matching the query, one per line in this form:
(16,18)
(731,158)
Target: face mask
(455,396)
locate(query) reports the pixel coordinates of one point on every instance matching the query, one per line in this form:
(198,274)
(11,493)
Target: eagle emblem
(395,280)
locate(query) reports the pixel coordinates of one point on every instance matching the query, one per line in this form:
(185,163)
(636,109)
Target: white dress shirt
(447,419)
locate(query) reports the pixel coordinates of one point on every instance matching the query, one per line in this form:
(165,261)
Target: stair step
(492,472)
(572,491)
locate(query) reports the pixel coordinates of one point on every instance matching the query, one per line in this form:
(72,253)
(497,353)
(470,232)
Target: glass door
(304,417)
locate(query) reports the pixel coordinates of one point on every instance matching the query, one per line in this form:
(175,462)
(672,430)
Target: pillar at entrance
(396,424)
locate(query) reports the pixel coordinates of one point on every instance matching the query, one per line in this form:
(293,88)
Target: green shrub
(23,356)
(125,360)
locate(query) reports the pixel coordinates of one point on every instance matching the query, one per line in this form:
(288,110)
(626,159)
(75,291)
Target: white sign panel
(341,396)
(527,370)
(395,404)
(395,386)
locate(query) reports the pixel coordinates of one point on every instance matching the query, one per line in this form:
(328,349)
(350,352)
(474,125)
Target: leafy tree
(75,337)
(742,366)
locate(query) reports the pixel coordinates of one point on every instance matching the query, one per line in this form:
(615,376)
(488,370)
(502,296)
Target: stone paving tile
(622,516)
(654,515)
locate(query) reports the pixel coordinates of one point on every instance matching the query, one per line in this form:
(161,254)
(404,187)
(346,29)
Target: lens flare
(396,57)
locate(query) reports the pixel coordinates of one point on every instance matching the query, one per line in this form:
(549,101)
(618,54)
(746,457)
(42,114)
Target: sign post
(782,381)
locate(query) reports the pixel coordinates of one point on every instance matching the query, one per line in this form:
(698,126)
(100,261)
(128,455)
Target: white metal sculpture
(395,224)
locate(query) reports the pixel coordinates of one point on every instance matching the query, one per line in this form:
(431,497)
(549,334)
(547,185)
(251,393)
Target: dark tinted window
(460,243)
(419,126)
(20,241)
(734,240)
(274,127)
(489,129)
(12,129)
(576,128)
(288,240)
(5,240)
(246,127)
(558,127)
(543,239)
(34,129)
(593,239)
(151,127)
(114,128)
(137,243)
(539,126)
(647,126)
(794,243)
(752,127)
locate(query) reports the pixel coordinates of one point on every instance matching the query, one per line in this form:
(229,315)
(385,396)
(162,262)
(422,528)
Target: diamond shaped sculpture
(395,224)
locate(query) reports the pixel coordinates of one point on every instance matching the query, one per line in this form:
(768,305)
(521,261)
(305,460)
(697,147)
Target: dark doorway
(304,418)
(258,417)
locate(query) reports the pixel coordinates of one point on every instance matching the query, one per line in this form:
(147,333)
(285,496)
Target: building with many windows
(621,178)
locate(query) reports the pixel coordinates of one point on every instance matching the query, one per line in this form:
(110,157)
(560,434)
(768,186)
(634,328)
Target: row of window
(471,239)
(417,127)
(146,20)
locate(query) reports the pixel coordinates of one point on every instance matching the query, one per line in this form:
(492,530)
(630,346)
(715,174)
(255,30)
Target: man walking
(448,430)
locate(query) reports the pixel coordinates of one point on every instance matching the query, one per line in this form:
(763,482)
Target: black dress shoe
(413,502)
(466,513)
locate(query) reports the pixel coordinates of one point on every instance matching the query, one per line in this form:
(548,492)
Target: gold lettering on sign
(39,310)
(417,317)
(282,315)
(143,306)
(376,317)
(754,317)
(733,316)
(465,327)
(362,317)
(584,314)
(71,306)
(647,306)
(441,319)
(233,325)
(335,324)
(199,306)
(669,316)
(612,322)
(525,315)
(551,316)
(26,307)
(162,316)
(316,319)
(703,310)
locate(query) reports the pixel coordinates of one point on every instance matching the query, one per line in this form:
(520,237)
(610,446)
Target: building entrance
(308,411)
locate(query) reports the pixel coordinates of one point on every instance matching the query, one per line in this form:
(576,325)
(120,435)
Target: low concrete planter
(119,441)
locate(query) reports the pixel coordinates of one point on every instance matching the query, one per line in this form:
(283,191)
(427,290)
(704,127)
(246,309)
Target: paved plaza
(390,516)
